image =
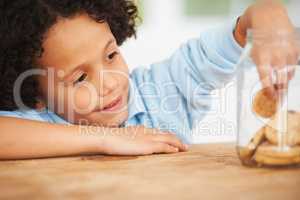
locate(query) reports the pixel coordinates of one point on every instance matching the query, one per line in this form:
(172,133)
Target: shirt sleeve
(209,61)
(10,114)
(193,72)
(29,115)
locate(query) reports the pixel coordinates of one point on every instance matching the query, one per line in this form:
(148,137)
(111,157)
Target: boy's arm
(211,60)
(185,81)
(27,139)
(22,139)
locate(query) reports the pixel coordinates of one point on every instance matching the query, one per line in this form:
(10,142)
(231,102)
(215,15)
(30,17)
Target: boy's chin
(119,120)
(113,122)
(109,120)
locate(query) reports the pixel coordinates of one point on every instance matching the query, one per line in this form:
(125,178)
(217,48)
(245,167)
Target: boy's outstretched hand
(275,46)
(138,140)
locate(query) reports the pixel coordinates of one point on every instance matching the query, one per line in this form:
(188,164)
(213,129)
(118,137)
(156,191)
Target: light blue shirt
(175,94)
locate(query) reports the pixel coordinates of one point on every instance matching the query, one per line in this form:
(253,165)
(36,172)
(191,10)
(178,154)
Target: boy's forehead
(79,27)
(69,41)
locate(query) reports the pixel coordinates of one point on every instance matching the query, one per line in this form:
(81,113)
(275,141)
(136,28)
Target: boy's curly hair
(24,24)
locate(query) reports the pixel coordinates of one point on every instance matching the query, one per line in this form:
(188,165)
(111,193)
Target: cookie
(246,153)
(267,154)
(293,134)
(263,105)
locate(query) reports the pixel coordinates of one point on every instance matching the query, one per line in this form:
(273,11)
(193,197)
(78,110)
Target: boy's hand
(274,41)
(140,141)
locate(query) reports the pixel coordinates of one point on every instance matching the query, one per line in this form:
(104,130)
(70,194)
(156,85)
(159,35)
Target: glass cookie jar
(268,125)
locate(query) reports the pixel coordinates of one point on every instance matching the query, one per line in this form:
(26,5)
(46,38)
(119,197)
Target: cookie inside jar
(270,146)
(268,104)
(264,150)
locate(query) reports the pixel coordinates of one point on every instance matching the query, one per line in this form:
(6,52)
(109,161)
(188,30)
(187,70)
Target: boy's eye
(112,55)
(81,78)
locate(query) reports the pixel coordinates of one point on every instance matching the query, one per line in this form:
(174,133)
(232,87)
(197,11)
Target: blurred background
(166,24)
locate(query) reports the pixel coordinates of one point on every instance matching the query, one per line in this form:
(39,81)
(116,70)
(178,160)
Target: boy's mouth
(113,106)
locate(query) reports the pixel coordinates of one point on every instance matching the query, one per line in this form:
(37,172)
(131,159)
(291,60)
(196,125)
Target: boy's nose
(109,84)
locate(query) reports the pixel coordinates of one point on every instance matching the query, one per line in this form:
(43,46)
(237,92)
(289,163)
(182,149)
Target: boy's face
(87,78)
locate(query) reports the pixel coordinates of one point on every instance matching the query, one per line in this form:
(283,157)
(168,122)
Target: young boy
(66,89)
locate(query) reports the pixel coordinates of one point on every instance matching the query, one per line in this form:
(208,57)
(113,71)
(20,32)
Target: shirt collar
(136,104)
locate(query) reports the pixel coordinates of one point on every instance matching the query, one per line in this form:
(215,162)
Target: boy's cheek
(84,99)
(69,101)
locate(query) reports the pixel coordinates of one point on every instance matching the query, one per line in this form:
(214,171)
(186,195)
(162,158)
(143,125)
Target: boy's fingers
(279,58)
(282,82)
(298,52)
(160,147)
(292,61)
(292,72)
(266,80)
(284,60)
(293,58)
(170,139)
(166,137)
(262,58)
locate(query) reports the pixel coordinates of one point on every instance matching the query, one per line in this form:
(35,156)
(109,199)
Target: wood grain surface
(205,172)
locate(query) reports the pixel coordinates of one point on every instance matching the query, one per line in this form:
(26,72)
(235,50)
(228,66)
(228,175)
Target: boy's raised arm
(185,81)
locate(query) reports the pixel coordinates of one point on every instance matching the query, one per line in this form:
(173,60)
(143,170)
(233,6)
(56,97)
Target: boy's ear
(41,104)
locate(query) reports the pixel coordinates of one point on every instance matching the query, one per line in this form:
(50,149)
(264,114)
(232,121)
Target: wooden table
(205,172)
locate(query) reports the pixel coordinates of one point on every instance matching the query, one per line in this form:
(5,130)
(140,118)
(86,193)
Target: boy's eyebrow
(67,74)
(111,41)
